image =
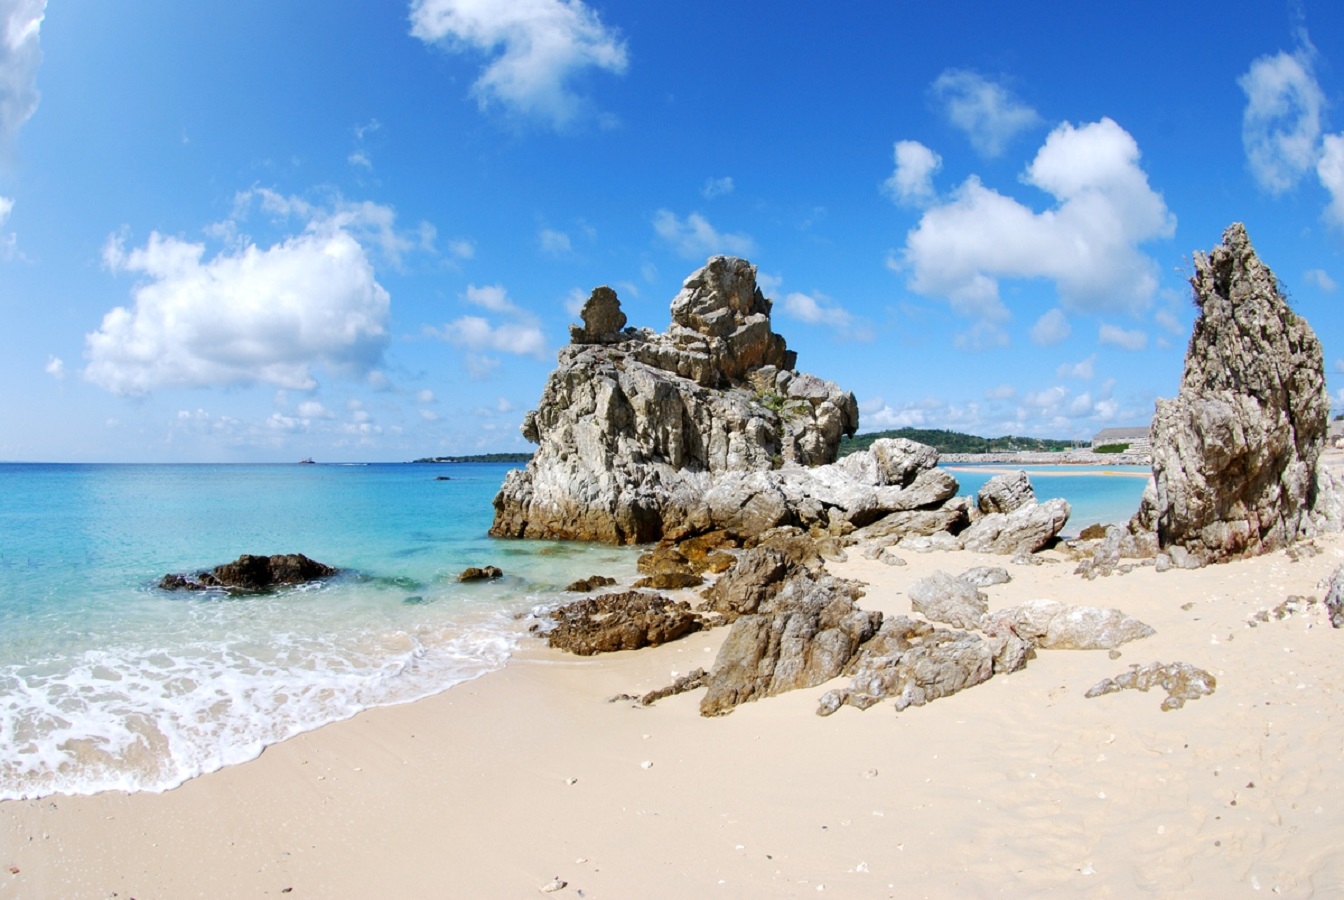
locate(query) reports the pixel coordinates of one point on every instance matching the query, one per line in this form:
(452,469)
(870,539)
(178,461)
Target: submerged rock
(486,573)
(1236,453)
(252,573)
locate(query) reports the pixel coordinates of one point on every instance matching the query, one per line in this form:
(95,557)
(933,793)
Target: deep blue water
(107,682)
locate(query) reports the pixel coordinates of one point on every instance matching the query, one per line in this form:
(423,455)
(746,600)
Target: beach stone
(670,581)
(1334,598)
(1051,625)
(805,635)
(1236,455)
(758,575)
(623,621)
(252,573)
(484,573)
(1029,527)
(1181,681)
(913,662)
(591,583)
(1005,493)
(986,576)
(942,598)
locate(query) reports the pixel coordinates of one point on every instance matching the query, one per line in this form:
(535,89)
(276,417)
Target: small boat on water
(306,461)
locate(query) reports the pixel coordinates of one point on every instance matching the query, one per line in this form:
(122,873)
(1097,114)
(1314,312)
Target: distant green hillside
(480,458)
(956,442)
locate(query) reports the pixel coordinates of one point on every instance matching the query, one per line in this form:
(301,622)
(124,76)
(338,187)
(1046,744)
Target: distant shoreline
(1069,458)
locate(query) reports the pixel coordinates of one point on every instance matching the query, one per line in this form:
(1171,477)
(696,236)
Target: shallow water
(107,682)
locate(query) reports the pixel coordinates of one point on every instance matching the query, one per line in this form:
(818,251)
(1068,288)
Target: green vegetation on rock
(480,458)
(957,442)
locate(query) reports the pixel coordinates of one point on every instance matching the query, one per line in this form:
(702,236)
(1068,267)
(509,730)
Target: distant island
(957,442)
(522,458)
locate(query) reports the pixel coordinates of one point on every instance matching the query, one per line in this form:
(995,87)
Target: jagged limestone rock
(1236,453)
(1051,625)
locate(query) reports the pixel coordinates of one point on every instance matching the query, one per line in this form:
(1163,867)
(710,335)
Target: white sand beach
(1013,788)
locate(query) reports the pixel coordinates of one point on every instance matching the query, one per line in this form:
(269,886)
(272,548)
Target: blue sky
(358,231)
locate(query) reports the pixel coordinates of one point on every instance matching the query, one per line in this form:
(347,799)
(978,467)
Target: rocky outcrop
(952,601)
(633,427)
(252,573)
(625,621)
(708,428)
(805,634)
(1011,520)
(1236,453)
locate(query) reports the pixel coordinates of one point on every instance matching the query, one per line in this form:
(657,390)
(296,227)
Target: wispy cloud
(694,238)
(988,113)
(818,309)
(20,58)
(1281,125)
(536,49)
(716,187)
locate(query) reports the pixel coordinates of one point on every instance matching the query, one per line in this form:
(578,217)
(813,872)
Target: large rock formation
(708,427)
(633,426)
(1235,454)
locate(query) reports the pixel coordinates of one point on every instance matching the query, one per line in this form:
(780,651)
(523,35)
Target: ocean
(108,683)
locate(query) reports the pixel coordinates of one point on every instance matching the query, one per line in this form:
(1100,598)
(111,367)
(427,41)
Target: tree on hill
(957,442)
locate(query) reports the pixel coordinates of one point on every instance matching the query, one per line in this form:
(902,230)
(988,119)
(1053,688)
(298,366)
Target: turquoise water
(1097,494)
(107,682)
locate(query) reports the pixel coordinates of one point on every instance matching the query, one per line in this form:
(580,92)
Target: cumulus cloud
(1125,339)
(521,335)
(536,50)
(989,113)
(1087,243)
(20,58)
(1051,328)
(694,238)
(1321,279)
(9,243)
(1281,125)
(1330,169)
(55,367)
(1083,369)
(911,184)
(248,314)
(818,309)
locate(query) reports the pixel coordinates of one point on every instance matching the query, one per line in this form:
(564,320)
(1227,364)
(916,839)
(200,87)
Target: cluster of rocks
(708,427)
(1181,681)
(250,573)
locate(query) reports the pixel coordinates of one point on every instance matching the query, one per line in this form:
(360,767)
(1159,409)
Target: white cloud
(822,310)
(1001,392)
(1087,244)
(312,409)
(1116,336)
(245,316)
(55,367)
(1321,279)
(1330,169)
(476,333)
(9,243)
(911,183)
(425,396)
(1083,369)
(491,296)
(429,415)
(20,58)
(554,243)
(1051,328)
(695,238)
(989,114)
(1281,124)
(536,48)
(716,187)
(982,335)
(461,249)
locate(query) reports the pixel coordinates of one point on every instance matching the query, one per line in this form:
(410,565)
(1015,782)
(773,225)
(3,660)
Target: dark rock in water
(442,478)
(252,573)
(625,621)
(472,573)
(670,581)
(592,582)
(1236,454)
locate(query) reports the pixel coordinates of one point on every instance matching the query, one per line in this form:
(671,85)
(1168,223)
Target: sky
(262,231)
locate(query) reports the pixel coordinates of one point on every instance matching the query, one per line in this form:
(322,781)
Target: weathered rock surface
(758,576)
(1236,453)
(624,621)
(1028,528)
(1181,681)
(1051,625)
(805,635)
(1334,598)
(915,663)
(252,573)
(591,583)
(986,576)
(951,601)
(1005,493)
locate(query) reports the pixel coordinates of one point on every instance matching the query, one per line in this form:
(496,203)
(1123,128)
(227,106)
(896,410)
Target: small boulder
(942,598)
(624,621)
(252,573)
(472,573)
(591,583)
(1051,625)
